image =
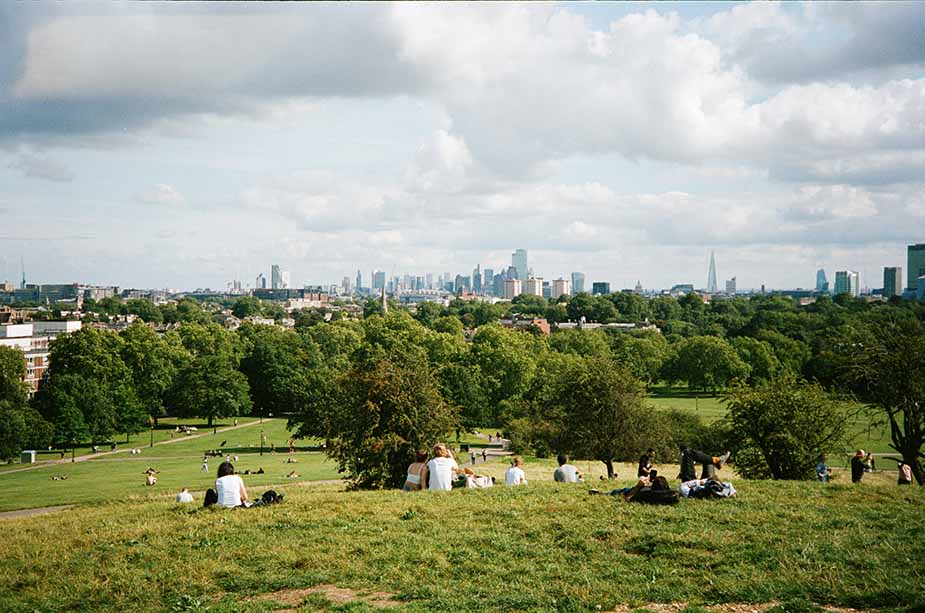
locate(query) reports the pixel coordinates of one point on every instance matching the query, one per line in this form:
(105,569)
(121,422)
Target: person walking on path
(857,466)
(472,456)
(484,456)
(205,465)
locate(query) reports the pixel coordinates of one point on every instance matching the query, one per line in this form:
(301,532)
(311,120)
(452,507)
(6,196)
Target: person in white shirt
(441,469)
(184,496)
(515,474)
(229,487)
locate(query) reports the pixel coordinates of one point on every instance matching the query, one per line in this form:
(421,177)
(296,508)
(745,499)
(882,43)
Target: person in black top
(645,463)
(691,457)
(857,466)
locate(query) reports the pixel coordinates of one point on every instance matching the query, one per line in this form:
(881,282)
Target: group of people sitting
(230,491)
(441,472)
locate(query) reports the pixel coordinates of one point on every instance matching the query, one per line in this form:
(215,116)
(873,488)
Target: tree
(779,428)
(274,364)
(599,409)
(580,342)
(888,371)
(246,306)
(211,387)
(507,361)
(759,355)
(706,362)
(153,362)
(643,354)
(383,413)
(145,310)
(448,325)
(12,374)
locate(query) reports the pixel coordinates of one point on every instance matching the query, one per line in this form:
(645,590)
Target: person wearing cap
(857,466)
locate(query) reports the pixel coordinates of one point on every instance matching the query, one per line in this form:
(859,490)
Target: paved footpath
(102,454)
(32,512)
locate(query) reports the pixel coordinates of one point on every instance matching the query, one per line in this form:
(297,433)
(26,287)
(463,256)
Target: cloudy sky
(165,145)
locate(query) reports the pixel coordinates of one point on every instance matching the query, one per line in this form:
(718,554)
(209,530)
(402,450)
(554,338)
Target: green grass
(541,547)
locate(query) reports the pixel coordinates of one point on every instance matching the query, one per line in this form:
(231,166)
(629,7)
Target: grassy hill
(542,547)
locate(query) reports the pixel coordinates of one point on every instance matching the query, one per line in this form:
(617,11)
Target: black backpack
(271,497)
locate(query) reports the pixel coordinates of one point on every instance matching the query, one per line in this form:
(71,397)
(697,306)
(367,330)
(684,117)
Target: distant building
(916,264)
(578,282)
(892,281)
(359,284)
(533,286)
(822,284)
(600,288)
(497,285)
(260,282)
(681,289)
(920,288)
(848,282)
(512,288)
(378,279)
(276,279)
(525,324)
(638,289)
(711,276)
(731,286)
(561,287)
(284,280)
(477,279)
(488,281)
(33,339)
(519,263)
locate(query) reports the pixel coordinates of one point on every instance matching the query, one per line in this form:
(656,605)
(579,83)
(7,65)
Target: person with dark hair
(857,466)
(822,469)
(905,474)
(229,487)
(654,491)
(707,488)
(416,478)
(691,457)
(645,463)
(566,473)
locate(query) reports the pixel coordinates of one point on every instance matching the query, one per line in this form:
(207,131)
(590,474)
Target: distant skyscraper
(638,289)
(497,285)
(578,282)
(477,279)
(359,280)
(284,282)
(378,279)
(892,281)
(519,262)
(533,286)
(429,280)
(822,284)
(600,288)
(488,280)
(731,286)
(512,288)
(561,287)
(916,265)
(276,279)
(711,276)
(260,282)
(847,282)
(345,285)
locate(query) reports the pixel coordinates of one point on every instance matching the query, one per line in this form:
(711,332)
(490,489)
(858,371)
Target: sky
(187,145)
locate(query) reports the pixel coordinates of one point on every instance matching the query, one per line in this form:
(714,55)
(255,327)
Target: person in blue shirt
(822,469)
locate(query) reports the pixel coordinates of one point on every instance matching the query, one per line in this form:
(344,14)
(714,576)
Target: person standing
(515,474)
(857,466)
(566,473)
(484,455)
(645,463)
(205,464)
(472,456)
(822,469)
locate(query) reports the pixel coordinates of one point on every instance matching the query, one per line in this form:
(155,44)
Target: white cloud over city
(197,143)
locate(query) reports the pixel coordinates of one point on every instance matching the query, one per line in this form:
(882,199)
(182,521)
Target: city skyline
(337,137)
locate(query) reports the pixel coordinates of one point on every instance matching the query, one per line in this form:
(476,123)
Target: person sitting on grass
(184,496)
(229,487)
(150,476)
(566,473)
(691,457)
(905,474)
(707,488)
(645,463)
(441,469)
(515,474)
(416,479)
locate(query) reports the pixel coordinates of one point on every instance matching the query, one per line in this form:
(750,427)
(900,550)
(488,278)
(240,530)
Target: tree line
(379,388)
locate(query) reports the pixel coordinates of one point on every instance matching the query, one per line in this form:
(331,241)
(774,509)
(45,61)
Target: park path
(491,452)
(102,454)
(19,513)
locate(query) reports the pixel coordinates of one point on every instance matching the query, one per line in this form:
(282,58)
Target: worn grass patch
(541,547)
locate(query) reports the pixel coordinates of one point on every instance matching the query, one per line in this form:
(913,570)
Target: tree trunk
(609,465)
(210,421)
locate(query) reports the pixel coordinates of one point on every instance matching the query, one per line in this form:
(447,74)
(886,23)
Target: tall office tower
(429,280)
(561,287)
(578,282)
(261,282)
(378,279)
(488,279)
(600,288)
(497,285)
(447,279)
(345,285)
(477,279)
(510,273)
(893,281)
(711,276)
(822,284)
(359,280)
(512,288)
(519,262)
(284,279)
(916,265)
(847,282)
(276,280)
(533,286)
(731,286)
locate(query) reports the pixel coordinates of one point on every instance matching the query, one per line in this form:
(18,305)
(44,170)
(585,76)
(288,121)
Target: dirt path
(32,512)
(102,454)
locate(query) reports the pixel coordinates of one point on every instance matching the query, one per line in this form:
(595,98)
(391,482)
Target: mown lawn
(542,547)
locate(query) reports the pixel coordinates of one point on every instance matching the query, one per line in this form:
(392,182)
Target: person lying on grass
(691,457)
(653,489)
(707,488)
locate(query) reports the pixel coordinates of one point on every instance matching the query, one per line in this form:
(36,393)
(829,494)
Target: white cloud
(42,167)
(162,195)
